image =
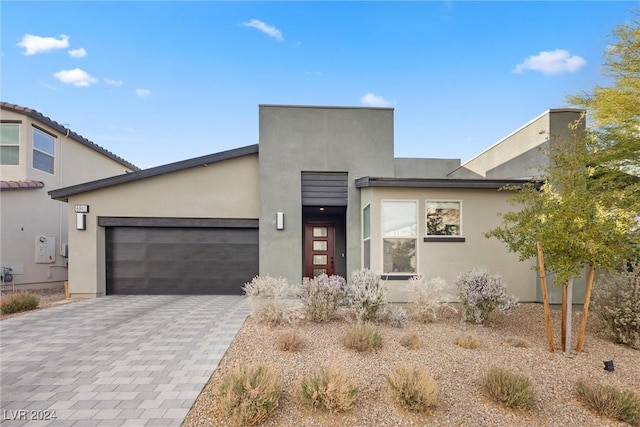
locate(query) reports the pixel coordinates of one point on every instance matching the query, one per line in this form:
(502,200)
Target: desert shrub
(413,388)
(518,342)
(248,394)
(397,316)
(322,296)
(410,340)
(617,303)
(429,298)
(19,301)
(274,300)
(481,294)
(369,295)
(290,340)
(610,401)
(328,388)
(362,336)
(468,341)
(509,389)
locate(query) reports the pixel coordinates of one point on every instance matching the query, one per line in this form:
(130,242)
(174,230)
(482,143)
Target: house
(38,155)
(321,193)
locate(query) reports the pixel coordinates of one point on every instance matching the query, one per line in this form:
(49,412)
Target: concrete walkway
(114,361)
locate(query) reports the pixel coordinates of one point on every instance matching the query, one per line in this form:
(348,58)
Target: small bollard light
(608,365)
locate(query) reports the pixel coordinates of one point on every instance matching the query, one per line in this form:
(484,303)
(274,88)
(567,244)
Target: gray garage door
(180,260)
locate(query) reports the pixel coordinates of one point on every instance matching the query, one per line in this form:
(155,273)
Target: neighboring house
(321,193)
(38,155)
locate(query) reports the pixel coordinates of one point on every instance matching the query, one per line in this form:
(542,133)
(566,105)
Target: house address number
(82,208)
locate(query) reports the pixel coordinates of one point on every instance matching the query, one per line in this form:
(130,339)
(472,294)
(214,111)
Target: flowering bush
(322,296)
(369,295)
(481,293)
(274,300)
(617,303)
(429,298)
(397,316)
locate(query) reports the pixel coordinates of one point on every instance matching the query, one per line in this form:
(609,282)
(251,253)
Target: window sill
(444,239)
(397,276)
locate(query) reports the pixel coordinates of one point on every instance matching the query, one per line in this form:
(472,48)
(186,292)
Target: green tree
(614,111)
(586,211)
(577,227)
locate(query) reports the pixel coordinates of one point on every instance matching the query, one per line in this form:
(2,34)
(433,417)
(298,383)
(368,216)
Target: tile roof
(63,130)
(21,185)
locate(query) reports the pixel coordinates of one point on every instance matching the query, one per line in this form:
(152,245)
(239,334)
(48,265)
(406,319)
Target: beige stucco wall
(227,189)
(27,213)
(521,153)
(448,259)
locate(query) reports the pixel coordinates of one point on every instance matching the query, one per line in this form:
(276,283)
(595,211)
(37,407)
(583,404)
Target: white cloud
(111,82)
(76,77)
(552,62)
(265,28)
(36,44)
(313,73)
(77,53)
(373,100)
(143,92)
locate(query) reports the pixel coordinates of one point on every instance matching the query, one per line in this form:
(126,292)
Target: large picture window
(399,236)
(43,154)
(9,144)
(443,218)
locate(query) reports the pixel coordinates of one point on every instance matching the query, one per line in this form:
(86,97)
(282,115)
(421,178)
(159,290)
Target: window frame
(17,124)
(384,236)
(443,237)
(366,263)
(35,149)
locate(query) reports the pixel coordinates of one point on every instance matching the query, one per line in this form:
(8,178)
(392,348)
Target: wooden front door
(319,248)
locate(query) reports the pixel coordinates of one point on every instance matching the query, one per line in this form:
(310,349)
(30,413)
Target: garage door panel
(165,260)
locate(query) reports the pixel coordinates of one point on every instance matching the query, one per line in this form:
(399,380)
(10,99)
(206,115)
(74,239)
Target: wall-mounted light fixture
(279,220)
(81,221)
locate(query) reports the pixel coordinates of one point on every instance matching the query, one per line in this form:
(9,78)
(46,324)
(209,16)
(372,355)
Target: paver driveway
(115,360)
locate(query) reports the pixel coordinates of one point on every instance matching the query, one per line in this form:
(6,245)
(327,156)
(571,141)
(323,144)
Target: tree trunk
(563,318)
(567,345)
(545,297)
(585,309)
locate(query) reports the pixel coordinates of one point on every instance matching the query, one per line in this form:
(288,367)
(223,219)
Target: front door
(319,248)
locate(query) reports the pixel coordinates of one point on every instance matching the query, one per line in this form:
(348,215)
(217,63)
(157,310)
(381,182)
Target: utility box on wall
(45,249)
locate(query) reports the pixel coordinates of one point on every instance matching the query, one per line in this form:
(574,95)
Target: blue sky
(158,82)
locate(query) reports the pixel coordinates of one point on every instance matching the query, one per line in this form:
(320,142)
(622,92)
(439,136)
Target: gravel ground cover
(457,371)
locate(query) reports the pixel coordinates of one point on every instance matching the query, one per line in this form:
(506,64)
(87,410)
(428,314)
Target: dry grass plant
(290,340)
(610,401)
(362,336)
(468,341)
(511,390)
(248,394)
(329,389)
(413,388)
(410,340)
(17,302)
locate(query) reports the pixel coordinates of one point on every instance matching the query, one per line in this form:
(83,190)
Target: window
(366,237)
(43,145)
(9,144)
(399,236)
(443,218)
